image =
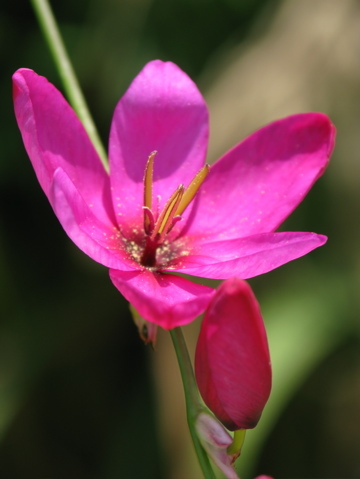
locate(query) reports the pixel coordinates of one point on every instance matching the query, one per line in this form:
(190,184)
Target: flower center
(157,227)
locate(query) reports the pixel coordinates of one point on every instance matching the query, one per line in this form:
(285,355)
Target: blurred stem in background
(67,74)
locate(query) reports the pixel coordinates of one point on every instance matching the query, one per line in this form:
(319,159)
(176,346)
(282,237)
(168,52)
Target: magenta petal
(166,300)
(257,184)
(164,111)
(96,239)
(232,363)
(54,137)
(248,257)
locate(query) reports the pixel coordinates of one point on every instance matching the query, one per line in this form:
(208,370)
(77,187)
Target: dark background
(80,396)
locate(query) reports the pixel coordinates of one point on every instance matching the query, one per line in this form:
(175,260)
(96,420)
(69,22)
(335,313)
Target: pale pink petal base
(215,440)
(164,299)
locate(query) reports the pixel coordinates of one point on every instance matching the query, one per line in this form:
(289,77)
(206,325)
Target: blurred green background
(80,396)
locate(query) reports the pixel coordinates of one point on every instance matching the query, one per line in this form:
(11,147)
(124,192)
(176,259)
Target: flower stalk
(238,442)
(71,85)
(192,398)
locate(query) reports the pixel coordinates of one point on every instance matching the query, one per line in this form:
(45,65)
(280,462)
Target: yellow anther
(191,190)
(157,229)
(148,181)
(164,222)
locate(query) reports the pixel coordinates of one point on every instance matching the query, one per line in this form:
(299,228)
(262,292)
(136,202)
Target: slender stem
(193,404)
(238,442)
(53,37)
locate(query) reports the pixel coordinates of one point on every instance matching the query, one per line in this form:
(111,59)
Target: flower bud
(232,361)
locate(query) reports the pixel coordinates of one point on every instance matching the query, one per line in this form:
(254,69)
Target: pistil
(148,258)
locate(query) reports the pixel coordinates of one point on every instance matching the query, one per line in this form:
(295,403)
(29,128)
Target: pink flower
(129,220)
(232,361)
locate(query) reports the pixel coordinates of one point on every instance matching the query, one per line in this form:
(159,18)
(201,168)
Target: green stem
(192,399)
(238,442)
(72,88)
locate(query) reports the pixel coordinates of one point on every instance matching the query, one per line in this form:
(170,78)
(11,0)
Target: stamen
(165,220)
(192,189)
(149,221)
(148,181)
